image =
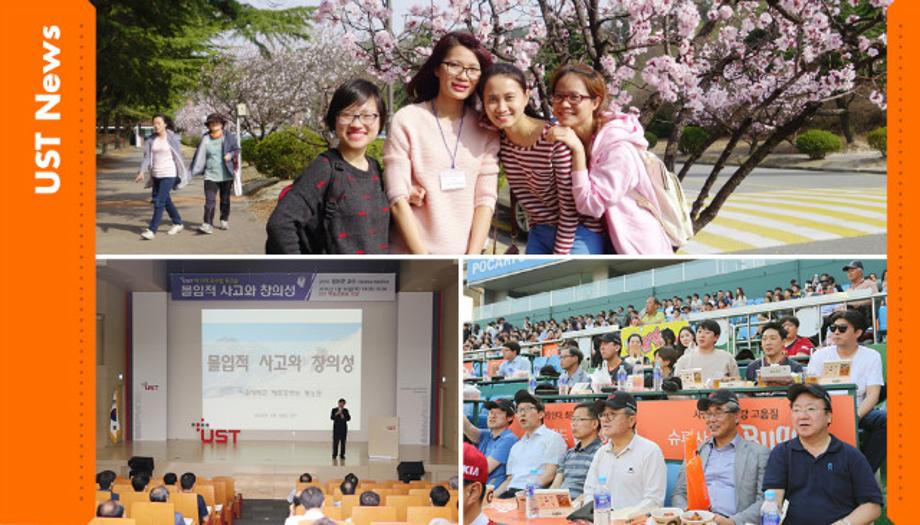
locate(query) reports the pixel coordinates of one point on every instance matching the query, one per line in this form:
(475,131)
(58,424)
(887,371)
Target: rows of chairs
(219,493)
(402,503)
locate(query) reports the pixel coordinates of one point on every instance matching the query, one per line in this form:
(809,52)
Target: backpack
(673,211)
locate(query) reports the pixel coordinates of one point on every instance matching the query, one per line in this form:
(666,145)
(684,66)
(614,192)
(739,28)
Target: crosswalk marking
(791,216)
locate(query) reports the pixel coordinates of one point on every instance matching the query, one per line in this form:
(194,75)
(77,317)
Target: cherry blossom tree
(285,87)
(746,70)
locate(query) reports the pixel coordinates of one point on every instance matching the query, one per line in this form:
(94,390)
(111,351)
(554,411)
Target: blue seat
(744,333)
(555,362)
(758,300)
(538,363)
(477,368)
(673,472)
(883,320)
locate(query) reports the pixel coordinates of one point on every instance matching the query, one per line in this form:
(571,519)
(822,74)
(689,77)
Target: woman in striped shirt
(539,171)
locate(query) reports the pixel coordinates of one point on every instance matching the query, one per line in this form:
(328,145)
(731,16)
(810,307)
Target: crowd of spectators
(497,333)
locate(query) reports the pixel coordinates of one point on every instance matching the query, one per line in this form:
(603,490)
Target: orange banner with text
(766,420)
(47,380)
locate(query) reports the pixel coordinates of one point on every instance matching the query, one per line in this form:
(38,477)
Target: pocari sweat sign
(478,270)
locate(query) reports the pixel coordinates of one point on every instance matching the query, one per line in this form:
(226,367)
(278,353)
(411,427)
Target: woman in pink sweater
(607,170)
(436,148)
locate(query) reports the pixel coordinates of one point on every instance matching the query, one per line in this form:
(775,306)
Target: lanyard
(453,156)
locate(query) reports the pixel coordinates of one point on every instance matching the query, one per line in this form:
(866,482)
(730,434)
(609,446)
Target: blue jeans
(542,238)
(874,438)
(162,200)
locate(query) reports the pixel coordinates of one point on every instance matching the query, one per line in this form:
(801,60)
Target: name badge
(452,179)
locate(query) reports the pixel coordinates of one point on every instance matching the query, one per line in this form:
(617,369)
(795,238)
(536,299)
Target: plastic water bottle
(656,377)
(602,502)
(621,378)
(532,509)
(769,512)
(532,383)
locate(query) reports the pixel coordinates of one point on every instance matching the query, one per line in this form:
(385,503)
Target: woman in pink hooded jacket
(607,169)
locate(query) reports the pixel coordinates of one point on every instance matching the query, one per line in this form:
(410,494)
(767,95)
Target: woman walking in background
(217,158)
(163,169)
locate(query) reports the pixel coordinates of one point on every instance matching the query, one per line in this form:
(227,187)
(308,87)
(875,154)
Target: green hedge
(878,140)
(285,153)
(817,143)
(693,140)
(651,138)
(248,149)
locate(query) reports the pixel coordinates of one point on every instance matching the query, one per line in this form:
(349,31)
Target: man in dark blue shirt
(186,483)
(825,480)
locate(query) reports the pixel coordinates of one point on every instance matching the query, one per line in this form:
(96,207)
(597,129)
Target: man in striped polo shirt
(577,460)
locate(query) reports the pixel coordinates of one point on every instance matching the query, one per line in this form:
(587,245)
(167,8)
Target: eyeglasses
(572,98)
(524,410)
(809,411)
(574,419)
(609,416)
(715,414)
(365,118)
(842,328)
(455,68)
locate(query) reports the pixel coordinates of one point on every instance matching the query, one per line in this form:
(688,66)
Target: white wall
(414,367)
(378,365)
(149,365)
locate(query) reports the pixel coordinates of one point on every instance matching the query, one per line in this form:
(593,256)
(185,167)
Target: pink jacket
(615,168)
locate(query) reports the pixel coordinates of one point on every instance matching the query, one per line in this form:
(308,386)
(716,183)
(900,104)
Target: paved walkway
(123,210)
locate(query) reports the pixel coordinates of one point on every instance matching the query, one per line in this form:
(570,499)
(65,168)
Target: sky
(400,7)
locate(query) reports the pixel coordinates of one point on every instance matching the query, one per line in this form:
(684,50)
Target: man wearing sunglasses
(846,327)
(733,467)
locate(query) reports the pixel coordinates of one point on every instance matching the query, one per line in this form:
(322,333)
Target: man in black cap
(514,363)
(733,466)
(824,479)
(610,352)
(633,465)
(496,441)
(537,454)
(857,280)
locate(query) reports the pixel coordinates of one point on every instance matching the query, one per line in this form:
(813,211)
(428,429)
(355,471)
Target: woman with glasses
(539,170)
(436,145)
(337,205)
(608,174)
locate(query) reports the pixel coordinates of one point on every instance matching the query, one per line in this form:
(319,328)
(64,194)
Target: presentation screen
(279,369)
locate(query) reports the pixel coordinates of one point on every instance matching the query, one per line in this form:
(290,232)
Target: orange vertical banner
(903,189)
(47,215)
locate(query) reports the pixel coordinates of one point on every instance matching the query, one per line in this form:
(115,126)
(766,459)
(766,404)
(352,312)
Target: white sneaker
(176,228)
(147,234)
(206,228)
(224,225)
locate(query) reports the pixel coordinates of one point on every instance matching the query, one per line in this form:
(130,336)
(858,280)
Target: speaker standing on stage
(340,419)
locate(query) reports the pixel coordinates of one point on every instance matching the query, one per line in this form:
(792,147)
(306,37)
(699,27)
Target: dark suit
(750,464)
(339,430)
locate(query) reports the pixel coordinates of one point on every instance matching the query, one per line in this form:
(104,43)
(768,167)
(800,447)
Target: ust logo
(209,435)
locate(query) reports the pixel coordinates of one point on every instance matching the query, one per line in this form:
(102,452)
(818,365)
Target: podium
(383,438)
